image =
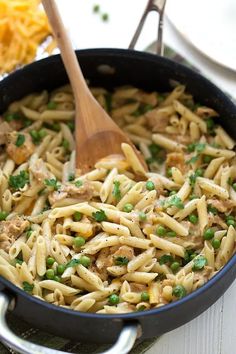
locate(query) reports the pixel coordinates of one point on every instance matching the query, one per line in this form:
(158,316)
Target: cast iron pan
(110,68)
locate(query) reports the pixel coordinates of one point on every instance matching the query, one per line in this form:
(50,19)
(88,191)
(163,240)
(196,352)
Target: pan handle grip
(159,7)
(123,344)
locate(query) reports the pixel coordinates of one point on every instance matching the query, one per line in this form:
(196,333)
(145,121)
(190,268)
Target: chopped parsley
(198,147)
(20,140)
(116,190)
(72,263)
(19,181)
(193,159)
(199,263)
(174,200)
(28,287)
(99,216)
(121,261)
(212,209)
(78,183)
(71,177)
(52,183)
(166,258)
(108,102)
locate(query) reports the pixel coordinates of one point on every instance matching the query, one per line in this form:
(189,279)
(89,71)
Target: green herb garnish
(78,183)
(28,287)
(116,190)
(52,183)
(174,200)
(99,216)
(199,263)
(19,181)
(20,140)
(121,261)
(166,258)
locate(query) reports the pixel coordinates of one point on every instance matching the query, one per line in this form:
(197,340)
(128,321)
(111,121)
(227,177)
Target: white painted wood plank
(200,336)
(228,343)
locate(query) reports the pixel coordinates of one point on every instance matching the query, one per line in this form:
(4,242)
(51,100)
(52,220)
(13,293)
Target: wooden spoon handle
(67,52)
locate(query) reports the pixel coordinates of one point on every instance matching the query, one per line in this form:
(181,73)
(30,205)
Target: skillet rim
(110,52)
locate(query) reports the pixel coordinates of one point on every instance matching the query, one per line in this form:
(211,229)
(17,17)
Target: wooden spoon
(97,135)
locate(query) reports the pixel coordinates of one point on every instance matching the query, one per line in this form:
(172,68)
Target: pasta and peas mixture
(117,239)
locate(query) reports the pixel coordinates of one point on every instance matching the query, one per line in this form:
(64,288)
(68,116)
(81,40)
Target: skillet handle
(159,7)
(123,344)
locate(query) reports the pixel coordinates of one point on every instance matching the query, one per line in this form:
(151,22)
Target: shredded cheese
(23,27)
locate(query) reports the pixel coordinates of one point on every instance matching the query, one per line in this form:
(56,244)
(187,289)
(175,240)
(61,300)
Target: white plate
(209,25)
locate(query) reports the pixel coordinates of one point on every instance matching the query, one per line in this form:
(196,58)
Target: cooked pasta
(116,239)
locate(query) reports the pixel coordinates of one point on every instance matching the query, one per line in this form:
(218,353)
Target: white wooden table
(214,331)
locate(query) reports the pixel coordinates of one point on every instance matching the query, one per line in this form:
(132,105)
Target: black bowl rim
(168,307)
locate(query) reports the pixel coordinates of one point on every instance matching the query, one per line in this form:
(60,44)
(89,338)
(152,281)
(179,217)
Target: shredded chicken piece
(222,205)
(148,98)
(176,159)
(10,230)
(135,287)
(206,112)
(124,251)
(5,128)
(157,120)
(21,153)
(203,274)
(40,171)
(83,193)
(216,219)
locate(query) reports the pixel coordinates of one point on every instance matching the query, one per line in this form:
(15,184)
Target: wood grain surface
(213,332)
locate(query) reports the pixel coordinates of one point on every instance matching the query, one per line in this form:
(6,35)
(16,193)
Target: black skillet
(111,68)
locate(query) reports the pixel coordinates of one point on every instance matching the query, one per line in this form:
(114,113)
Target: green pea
(207,158)
(171,234)
(60,269)
(50,261)
(57,278)
(3,215)
(128,207)
(79,241)
(179,291)
(208,234)
(175,266)
(142,216)
(85,261)
(230,222)
(161,230)
(169,172)
(234,186)
(144,296)
(50,274)
(113,299)
(215,243)
(193,219)
(77,216)
(42,133)
(150,186)
(229,217)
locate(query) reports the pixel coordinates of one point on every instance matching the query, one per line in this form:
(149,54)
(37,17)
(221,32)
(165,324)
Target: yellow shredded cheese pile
(23,27)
